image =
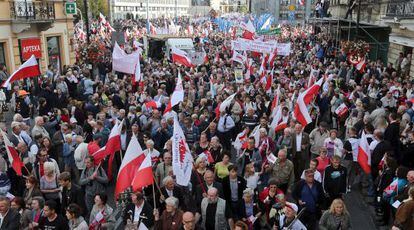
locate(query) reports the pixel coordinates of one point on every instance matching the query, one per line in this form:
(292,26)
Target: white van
(185,44)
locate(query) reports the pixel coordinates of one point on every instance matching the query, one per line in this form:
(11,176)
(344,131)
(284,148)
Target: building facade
(397,14)
(35,27)
(121,9)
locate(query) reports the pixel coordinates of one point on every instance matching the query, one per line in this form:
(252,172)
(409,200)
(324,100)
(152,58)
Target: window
(2,53)
(53,52)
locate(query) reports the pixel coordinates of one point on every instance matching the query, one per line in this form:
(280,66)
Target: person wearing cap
(138,212)
(289,219)
(24,106)
(309,194)
(317,138)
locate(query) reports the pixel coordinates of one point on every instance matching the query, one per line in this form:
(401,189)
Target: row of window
(137,8)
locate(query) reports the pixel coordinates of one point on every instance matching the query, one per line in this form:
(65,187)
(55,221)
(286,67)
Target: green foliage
(94,7)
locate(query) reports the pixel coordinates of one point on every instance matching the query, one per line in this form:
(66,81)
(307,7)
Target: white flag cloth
(226,103)
(123,62)
(182,161)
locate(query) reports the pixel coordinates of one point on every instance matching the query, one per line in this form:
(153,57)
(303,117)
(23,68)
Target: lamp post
(88,34)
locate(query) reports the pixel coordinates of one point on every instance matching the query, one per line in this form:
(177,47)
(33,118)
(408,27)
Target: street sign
(70,8)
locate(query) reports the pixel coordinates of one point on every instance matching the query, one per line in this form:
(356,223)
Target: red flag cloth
(301,112)
(180,57)
(29,69)
(364,154)
(12,155)
(143,176)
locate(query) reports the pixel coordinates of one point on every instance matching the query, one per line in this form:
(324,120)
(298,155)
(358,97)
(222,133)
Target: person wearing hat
(289,219)
(24,106)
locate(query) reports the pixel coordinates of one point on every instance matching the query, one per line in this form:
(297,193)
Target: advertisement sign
(29,47)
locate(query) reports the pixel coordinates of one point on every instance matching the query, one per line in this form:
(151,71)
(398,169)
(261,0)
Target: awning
(400,40)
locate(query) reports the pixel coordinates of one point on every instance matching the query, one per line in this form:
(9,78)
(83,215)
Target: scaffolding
(344,29)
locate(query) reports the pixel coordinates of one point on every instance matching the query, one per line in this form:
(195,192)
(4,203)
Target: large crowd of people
(63,117)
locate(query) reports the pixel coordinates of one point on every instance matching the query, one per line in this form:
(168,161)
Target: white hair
(248,192)
(150,142)
(172,201)
(17,117)
(167,179)
(37,119)
(49,166)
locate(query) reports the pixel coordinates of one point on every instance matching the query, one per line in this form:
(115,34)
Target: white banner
(283,49)
(197,58)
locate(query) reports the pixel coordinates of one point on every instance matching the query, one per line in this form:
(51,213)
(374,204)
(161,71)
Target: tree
(94,7)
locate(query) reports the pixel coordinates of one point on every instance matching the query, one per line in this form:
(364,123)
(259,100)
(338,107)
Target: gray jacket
(329,222)
(96,185)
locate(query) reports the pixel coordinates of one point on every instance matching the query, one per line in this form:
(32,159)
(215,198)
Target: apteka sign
(29,47)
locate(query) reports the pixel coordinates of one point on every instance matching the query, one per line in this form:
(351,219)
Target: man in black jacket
(139,211)
(392,134)
(378,153)
(71,193)
(309,194)
(10,218)
(233,187)
(167,190)
(201,189)
(334,179)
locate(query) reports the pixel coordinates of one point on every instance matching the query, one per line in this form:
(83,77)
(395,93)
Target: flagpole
(156,183)
(153,196)
(120,153)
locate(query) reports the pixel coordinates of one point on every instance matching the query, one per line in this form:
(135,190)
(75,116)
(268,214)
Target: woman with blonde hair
(337,217)
(49,185)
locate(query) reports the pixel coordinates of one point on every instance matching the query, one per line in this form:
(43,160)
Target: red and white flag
(272,58)
(262,70)
(182,161)
(143,176)
(360,66)
(30,68)
(364,154)
(180,57)
(249,30)
(275,102)
(237,57)
(393,187)
(177,96)
(278,122)
(153,104)
(302,2)
(300,111)
(133,158)
(13,155)
(314,74)
(256,135)
(241,140)
(341,110)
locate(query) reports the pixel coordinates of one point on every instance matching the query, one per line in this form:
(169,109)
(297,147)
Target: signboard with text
(29,47)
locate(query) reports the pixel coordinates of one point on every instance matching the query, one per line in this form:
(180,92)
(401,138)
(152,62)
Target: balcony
(400,9)
(32,12)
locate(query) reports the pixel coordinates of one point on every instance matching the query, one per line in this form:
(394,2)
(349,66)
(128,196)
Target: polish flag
(314,74)
(208,156)
(226,103)
(13,155)
(143,176)
(133,158)
(237,57)
(360,66)
(99,155)
(29,69)
(302,2)
(182,160)
(300,111)
(256,135)
(272,58)
(153,104)
(275,102)
(262,70)
(249,30)
(393,187)
(137,74)
(278,123)
(341,110)
(269,82)
(180,57)
(177,96)
(249,69)
(241,140)
(364,154)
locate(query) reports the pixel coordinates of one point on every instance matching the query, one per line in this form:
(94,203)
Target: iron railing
(401,9)
(32,11)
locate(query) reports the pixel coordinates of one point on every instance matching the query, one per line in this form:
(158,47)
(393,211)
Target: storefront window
(53,52)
